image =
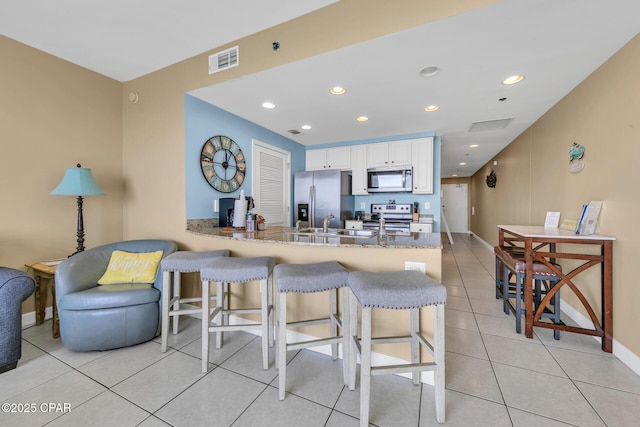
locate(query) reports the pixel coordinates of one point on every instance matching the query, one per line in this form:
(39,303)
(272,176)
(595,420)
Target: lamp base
(80,233)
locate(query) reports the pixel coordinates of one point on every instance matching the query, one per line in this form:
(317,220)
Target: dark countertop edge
(268,236)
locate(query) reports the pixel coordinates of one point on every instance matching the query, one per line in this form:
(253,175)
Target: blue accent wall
(203,120)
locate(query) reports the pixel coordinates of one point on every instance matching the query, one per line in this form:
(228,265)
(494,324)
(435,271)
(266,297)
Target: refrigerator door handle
(312,206)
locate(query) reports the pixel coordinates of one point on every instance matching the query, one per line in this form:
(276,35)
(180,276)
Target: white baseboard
(625,355)
(29,319)
(488,246)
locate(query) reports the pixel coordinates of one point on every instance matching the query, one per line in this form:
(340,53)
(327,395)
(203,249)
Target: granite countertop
(287,235)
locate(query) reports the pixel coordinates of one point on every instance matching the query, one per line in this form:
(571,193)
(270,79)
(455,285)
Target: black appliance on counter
(225,217)
(397,217)
(226,206)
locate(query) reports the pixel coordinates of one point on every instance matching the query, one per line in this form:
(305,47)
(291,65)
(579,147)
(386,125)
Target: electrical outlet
(363,205)
(427,205)
(418,266)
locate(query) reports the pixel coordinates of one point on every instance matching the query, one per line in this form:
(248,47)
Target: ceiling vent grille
(222,60)
(490,125)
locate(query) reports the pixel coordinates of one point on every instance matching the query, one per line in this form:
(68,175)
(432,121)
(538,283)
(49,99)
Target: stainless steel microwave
(389,179)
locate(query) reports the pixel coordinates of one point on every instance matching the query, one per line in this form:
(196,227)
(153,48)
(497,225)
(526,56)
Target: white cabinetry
(420,227)
(396,153)
(359,170)
(422,165)
(328,158)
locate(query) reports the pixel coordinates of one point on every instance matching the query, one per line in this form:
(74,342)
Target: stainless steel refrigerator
(320,193)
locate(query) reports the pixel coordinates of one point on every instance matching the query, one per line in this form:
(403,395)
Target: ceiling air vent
(490,125)
(222,60)
(294,132)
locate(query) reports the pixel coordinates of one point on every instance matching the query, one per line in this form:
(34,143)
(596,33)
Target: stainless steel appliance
(389,179)
(317,194)
(397,217)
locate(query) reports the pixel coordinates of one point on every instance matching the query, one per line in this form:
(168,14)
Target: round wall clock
(223,164)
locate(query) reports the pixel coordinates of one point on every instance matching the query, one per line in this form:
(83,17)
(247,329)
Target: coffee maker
(226,206)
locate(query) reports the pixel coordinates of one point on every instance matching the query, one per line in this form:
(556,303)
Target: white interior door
(455,206)
(271,183)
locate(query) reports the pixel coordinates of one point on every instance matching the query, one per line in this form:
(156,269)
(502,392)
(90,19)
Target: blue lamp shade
(78,182)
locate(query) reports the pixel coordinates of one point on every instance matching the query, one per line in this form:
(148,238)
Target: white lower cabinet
(420,227)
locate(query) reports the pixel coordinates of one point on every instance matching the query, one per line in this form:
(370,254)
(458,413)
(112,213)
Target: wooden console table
(540,245)
(45,270)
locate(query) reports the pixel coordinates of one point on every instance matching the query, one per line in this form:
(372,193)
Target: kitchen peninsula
(379,253)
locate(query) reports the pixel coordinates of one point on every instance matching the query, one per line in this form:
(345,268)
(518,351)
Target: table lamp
(78,182)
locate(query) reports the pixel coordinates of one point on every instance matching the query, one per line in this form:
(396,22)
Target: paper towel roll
(240,213)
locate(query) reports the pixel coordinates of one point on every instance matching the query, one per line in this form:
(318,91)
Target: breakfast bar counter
(375,254)
(288,235)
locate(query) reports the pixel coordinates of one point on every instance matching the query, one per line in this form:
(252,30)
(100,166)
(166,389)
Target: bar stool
(544,280)
(501,252)
(402,290)
(225,271)
(172,266)
(310,278)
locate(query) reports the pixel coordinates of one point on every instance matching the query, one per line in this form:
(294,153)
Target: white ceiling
(555,43)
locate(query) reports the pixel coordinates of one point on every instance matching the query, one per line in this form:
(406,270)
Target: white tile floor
(495,377)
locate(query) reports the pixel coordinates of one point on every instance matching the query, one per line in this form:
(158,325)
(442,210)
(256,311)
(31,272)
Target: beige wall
(53,115)
(603,114)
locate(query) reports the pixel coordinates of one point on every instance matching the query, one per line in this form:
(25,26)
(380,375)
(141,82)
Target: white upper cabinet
(396,153)
(359,170)
(328,158)
(422,165)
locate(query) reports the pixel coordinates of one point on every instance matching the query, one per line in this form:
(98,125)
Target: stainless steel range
(397,217)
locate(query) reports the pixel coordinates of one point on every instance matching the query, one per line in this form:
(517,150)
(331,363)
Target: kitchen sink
(358,233)
(334,232)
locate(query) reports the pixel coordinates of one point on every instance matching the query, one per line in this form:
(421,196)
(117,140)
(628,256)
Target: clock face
(223,164)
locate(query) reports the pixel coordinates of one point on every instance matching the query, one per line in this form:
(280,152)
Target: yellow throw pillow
(131,267)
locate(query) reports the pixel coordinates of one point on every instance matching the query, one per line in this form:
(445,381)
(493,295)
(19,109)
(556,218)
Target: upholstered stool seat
(310,278)
(544,280)
(226,271)
(501,252)
(172,266)
(402,290)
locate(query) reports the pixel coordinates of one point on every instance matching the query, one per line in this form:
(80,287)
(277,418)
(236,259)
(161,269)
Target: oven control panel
(400,208)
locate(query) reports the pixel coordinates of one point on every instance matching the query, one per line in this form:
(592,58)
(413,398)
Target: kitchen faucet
(382,231)
(298,225)
(325,225)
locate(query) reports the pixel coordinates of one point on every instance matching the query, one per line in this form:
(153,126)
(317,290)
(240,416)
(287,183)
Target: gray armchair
(96,317)
(15,287)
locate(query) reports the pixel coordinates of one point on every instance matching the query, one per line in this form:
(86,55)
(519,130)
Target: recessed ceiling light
(269,105)
(462,163)
(455,174)
(431,108)
(362,118)
(306,127)
(513,79)
(473,146)
(337,90)
(429,71)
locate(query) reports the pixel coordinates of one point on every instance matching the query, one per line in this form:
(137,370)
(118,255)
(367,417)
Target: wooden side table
(45,270)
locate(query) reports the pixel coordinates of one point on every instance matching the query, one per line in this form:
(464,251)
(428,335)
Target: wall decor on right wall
(576,153)
(492,179)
